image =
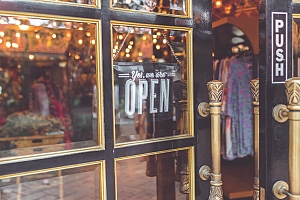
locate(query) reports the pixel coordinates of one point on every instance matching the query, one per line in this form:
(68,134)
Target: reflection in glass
(89,2)
(150,80)
(76,183)
(296,45)
(47,85)
(161,176)
(177,7)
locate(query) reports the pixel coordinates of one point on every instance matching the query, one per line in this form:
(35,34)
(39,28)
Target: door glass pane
(48,92)
(74,183)
(86,2)
(151,77)
(174,7)
(155,176)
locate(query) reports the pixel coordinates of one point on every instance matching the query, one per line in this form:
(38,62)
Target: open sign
(146,87)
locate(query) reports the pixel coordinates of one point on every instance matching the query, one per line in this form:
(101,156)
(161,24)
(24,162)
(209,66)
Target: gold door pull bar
(292,112)
(215,91)
(255,96)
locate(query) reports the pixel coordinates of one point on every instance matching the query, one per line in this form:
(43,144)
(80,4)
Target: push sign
(279,47)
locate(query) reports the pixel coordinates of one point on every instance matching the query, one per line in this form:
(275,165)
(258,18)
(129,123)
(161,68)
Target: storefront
(105,100)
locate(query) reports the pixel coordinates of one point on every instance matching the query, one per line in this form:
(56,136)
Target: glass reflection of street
(155,177)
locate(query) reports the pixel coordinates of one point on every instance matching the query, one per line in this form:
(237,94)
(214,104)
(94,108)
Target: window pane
(48,92)
(87,2)
(160,176)
(175,7)
(75,183)
(150,83)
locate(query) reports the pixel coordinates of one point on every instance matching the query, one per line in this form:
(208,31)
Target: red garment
(58,107)
(2,120)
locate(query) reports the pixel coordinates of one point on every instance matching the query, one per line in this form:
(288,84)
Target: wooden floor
(237,180)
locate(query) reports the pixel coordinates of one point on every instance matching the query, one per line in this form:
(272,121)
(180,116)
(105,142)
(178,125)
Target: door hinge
(262,193)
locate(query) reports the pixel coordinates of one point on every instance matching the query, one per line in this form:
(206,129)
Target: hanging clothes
(237,116)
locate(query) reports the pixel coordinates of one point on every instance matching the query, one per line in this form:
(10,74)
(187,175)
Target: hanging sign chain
(172,50)
(121,46)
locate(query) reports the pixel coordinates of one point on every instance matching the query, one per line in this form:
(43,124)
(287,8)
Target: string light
(8,44)
(218,4)
(23,27)
(31,57)
(15,45)
(80,41)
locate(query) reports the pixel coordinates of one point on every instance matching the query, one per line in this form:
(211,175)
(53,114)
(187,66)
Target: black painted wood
(201,22)
(274,135)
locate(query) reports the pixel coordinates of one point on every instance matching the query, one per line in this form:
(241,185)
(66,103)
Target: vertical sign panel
(279,47)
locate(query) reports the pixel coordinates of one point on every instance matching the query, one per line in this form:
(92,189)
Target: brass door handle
(255,97)
(215,91)
(292,113)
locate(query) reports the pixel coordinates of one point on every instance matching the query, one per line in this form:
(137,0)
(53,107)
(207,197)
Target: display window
(180,8)
(49,82)
(151,83)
